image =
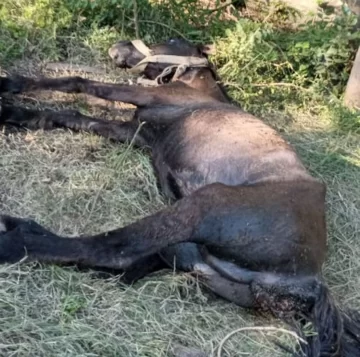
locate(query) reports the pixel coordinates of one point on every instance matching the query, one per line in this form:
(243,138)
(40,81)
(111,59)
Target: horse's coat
(246,213)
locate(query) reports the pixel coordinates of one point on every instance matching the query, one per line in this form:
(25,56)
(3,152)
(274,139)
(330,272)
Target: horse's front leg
(135,95)
(176,93)
(71,119)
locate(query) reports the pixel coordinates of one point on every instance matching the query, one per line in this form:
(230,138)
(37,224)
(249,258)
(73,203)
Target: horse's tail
(337,332)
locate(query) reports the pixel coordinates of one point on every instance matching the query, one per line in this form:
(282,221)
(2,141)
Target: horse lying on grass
(246,214)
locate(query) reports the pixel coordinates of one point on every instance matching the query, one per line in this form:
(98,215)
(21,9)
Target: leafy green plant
(156,19)
(317,54)
(26,25)
(267,66)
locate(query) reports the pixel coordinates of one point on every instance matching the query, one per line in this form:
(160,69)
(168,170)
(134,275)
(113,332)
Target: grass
(80,183)
(77,183)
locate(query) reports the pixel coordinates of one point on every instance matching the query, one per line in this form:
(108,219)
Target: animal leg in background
(47,119)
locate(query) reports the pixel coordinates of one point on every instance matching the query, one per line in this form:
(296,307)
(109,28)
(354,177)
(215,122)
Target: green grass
(80,183)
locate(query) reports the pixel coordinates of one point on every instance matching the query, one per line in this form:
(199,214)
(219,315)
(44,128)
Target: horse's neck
(206,83)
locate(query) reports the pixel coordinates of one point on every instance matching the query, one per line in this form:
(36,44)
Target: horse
(245,213)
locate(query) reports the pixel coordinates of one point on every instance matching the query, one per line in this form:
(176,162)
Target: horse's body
(247,215)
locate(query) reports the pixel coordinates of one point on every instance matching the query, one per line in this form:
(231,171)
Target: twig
(221,7)
(95,200)
(234,85)
(131,144)
(280,84)
(136,21)
(256,328)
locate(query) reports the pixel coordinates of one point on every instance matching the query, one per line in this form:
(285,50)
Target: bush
(156,19)
(265,66)
(27,25)
(317,55)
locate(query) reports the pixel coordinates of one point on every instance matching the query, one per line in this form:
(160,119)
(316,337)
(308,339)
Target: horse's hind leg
(181,256)
(230,221)
(187,257)
(238,293)
(139,269)
(118,249)
(238,224)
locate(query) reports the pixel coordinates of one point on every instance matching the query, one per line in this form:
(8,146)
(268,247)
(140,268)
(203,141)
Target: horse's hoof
(11,240)
(12,85)
(2,226)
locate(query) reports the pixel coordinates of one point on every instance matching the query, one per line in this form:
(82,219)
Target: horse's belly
(232,148)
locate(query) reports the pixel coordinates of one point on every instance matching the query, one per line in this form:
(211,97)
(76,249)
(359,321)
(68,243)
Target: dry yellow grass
(76,183)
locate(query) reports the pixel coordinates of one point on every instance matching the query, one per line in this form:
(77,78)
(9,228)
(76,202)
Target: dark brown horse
(246,214)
